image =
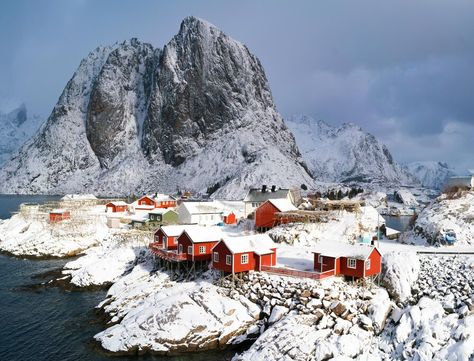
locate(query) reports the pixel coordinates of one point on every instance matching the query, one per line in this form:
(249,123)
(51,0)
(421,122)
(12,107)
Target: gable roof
(200,234)
(256,195)
(202,208)
(283,205)
(258,243)
(161,211)
(358,251)
(173,231)
(118,203)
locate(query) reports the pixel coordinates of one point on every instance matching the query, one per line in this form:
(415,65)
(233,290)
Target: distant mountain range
(16,126)
(346,153)
(431,174)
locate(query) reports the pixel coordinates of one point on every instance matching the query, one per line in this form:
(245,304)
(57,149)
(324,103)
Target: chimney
(264,188)
(274,188)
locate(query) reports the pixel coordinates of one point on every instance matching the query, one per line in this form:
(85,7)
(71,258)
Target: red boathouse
(115,207)
(243,254)
(265,213)
(356,261)
(166,237)
(196,242)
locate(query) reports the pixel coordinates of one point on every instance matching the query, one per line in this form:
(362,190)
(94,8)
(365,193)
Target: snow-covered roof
(161,211)
(59,210)
(199,234)
(390,231)
(143,206)
(256,194)
(283,204)
(359,251)
(174,231)
(202,207)
(159,197)
(258,243)
(118,203)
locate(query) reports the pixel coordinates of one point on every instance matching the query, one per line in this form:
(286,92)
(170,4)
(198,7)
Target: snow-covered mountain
(196,115)
(345,153)
(431,174)
(15,128)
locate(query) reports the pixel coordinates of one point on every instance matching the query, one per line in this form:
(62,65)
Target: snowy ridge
(345,153)
(431,174)
(198,115)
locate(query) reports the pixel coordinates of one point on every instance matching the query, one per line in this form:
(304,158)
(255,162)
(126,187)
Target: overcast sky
(402,70)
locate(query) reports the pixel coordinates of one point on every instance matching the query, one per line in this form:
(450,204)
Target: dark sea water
(50,323)
(400,223)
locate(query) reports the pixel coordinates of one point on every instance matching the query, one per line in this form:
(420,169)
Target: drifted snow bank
(343,226)
(161,316)
(35,237)
(444,214)
(399,273)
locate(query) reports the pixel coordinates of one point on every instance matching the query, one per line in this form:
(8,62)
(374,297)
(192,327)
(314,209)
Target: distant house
(265,213)
(257,196)
(116,207)
(356,261)
(167,236)
(137,222)
(157,200)
(230,218)
(202,213)
(58,215)
(163,215)
(243,254)
(196,242)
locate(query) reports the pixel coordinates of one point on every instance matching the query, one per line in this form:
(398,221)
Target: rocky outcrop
(198,115)
(400,271)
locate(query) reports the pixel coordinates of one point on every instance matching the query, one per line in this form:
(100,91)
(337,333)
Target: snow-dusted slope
(197,115)
(345,153)
(431,174)
(15,128)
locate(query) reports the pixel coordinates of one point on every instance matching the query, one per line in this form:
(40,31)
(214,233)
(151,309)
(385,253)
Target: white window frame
(367,264)
(320,258)
(228,259)
(216,257)
(190,249)
(202,249)
(244,258)
(180,248)
(351,261)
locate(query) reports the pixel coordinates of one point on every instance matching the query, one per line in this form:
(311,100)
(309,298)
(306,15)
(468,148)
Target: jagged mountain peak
(431,174)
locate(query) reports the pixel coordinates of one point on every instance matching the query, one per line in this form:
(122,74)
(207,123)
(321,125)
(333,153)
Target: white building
(202,213)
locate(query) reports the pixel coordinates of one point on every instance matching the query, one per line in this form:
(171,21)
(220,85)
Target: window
(228,259)
(244,259)
(216,257)
(367,264)
(180,248)
(351,263)
(190,249)
(202,249)
(320,258)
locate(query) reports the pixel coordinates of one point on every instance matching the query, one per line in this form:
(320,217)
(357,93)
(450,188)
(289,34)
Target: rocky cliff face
(198,115)
(346,153)
(431,174)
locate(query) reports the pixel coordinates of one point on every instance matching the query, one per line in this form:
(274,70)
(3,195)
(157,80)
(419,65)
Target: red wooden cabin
(243,254)
(265,213)
(230,218)
(356,261)
(115,207)
(196,242)
(58,215)
(155,201)
(166,237)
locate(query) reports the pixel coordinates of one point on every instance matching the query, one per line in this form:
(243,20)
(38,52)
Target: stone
(277,314)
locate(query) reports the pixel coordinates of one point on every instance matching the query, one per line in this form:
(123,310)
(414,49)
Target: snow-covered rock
(345,153)
(405,197)
(431,174)
(277,314)
(444,214)
(399,273)
(197,115)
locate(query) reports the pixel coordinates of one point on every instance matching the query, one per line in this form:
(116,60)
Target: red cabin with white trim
(356,261)
(155,201)
(116,207)
(196,242)
(265,213)
(58,215)
(166,237)
(243,254)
